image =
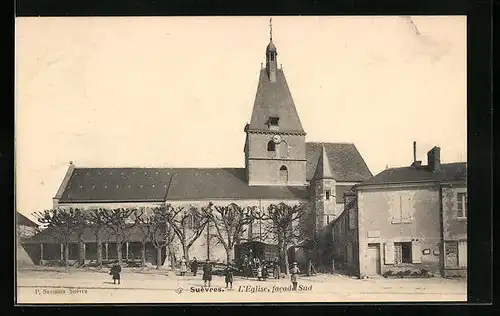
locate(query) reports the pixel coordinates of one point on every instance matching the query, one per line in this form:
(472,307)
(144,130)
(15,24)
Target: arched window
(283,174)
(271,146)
(283,149)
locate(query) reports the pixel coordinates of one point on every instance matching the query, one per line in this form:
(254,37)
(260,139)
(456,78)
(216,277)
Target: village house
(405,220)
(280,166)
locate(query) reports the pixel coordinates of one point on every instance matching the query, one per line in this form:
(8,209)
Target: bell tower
(275,140)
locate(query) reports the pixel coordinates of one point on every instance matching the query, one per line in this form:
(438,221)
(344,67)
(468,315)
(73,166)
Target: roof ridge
(343,143)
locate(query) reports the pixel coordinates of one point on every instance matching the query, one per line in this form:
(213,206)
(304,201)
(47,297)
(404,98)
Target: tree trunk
(99,250)
(66,256)
(287,264)
(119,252)
(81,251)
(185,251)
(172,255)
(143,253)
(229,254)
(158,257)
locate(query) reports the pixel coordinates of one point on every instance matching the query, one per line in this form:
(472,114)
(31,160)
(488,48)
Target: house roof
(273,99)
(449,172)
(345,161)
(117,184)
(160,184)
(24,221)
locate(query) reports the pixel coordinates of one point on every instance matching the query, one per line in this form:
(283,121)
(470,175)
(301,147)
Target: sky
(178,91)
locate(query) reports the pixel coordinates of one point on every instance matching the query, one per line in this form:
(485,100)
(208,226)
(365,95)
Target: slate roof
(450,172)
(160,184)
(274,99)
(228,183)
(117,184)
(323,169)
(24,221)
(345,161)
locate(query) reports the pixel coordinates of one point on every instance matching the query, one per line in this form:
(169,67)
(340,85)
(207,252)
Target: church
(280,166)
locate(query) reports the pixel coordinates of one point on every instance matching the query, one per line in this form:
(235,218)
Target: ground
(153,286)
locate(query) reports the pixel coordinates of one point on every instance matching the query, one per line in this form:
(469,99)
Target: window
(451,254)
(402,252)
(271,146)
(456,254)
(328,193)
(462,205)
(402,211)
(283,175)
(274,121)
(327,219)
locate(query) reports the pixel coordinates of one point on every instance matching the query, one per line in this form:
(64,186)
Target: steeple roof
(323,169)
(273,99)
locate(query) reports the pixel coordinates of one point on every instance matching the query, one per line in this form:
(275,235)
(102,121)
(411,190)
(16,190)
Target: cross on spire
(271,29)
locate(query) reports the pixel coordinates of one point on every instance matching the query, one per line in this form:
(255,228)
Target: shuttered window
(402,252)
(462,253)
(402,210)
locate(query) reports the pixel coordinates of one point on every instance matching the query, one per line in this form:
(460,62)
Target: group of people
(261,268)
(207,271)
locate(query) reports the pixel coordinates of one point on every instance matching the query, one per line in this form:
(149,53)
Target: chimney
(414,151)
(434,159)
(415,163)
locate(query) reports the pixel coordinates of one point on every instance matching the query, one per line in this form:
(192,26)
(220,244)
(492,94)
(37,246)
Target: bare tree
(187,224)
(96,221)
(229,223)
(283,228)
(161,233)
(120,223)
(144,225)
(62,225)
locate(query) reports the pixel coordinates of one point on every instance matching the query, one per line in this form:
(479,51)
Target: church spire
(271,55)
(323,169)
(270,29)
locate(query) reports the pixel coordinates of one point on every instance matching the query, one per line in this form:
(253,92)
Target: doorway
(373,262)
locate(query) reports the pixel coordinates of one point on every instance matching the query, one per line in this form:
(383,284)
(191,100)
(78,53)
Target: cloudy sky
(177,91)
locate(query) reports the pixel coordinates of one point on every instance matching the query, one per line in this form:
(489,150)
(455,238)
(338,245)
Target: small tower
(271,55)
(324,191)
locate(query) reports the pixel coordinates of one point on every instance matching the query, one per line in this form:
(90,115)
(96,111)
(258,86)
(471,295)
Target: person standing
(116,269)
(183,265)
(294,275)
(207,272)
(228,274)
(259,272)
(194,266)
(264,270)
(276,268)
